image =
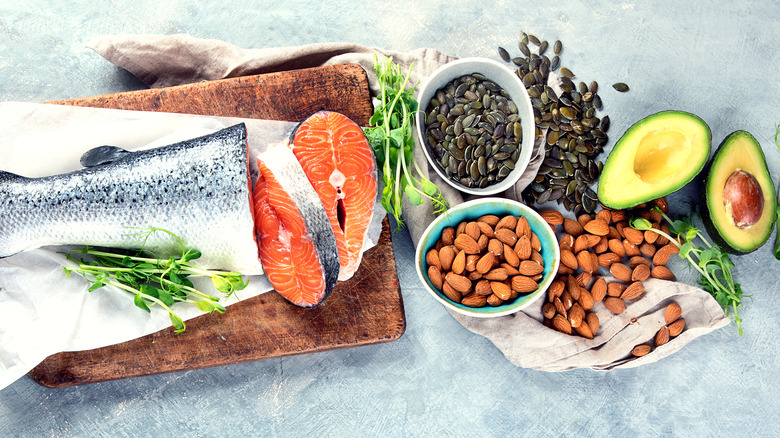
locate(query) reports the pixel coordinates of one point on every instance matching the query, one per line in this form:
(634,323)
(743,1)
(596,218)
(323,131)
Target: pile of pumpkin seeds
(575,136)
(474,131)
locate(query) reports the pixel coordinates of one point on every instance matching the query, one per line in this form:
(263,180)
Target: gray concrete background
(719,61)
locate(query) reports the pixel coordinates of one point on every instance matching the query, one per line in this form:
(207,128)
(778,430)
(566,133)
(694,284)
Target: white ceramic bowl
(471,210)
(509,81)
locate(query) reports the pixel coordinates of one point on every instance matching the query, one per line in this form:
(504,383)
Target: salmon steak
(296,242)
(340,165)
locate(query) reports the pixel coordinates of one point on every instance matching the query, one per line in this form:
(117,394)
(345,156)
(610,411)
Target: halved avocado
(740,195)
(656,156)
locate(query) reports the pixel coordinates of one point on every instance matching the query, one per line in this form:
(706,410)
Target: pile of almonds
(674,326)
(606,241)
(490,260)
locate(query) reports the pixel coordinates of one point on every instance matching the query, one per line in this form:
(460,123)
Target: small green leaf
(685,249)
(413,195)
(96,285)
(641,224)
(428,187)
(165,297)
(221,284)
(140,303)
(177,323)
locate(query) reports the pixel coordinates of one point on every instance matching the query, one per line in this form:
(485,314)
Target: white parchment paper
(41,312)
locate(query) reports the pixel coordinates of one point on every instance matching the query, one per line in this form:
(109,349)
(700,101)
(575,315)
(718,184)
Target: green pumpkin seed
(620,86)
(503,54)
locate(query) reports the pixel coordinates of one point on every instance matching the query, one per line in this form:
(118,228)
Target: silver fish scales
(197,189)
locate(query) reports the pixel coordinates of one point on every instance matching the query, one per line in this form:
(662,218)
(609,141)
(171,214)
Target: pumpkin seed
(503,54)
(565,72)
(557,47)
(620,86)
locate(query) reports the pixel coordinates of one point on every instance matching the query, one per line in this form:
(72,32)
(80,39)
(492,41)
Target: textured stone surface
(720,63)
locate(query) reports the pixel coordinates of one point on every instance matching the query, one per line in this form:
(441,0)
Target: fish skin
(198,189)
(297,245)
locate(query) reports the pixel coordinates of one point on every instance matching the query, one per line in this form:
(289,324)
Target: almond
(588,261)
(633,291)
(616,246)
(552,217)
(661,256)
(458,282)
(569,259)
(501,290)
(559,307)
(446,256)
(510,270)
(586,299)
(523,228)
(556,288)
(472,229)
(460,229)
(459,263)
(474,276)
(647,249)
(564,270)
(618,215)
(641,350)
(676,327)
(494,301)
(507,221)
(483,243)
(662,273)
(607,259)
(633,235)
(672,312)
(593,322)
(523,284)
(471,262)
(614,305)
(673,249)
(507,236)
(523,247)
(536,244)
(432,258)
(584,218)
(489,219)
(570,226)
(605,216)
(576,315)
(615,289)
(448,235)
(511,256)
(584,279)
(651,236)
(621,272)
(631,249)
(548,310)
(561,324)
(485,263)
(566,240)
(474,300)
(496,247)
(530,268)
(602,246)
(451,293)
(662,336)
(599,289)
(597,227)
(635,261)
(567,300)
(485,229)
(584,330)
(573,287)
(434,274)
(640,273)
(496,274)
(466,243)
(483,287)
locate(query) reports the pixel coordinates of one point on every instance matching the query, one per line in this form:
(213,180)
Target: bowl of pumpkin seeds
(476,125)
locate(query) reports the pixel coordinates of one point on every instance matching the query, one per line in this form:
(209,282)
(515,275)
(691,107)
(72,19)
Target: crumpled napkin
(164,60)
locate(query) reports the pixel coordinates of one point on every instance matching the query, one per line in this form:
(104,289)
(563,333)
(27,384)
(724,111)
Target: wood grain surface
(367,309)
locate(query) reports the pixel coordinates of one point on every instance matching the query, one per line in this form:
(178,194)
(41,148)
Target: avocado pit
(743,199)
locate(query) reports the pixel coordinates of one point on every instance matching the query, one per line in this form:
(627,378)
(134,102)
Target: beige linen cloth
(167,60)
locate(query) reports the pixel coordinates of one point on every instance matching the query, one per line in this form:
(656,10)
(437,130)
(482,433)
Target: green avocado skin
(716,234)
(641,198)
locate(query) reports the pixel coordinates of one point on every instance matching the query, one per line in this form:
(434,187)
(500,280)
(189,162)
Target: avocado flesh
(739,152)
(656,156)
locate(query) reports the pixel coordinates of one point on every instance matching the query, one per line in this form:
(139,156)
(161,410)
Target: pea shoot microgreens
(707,258)
(390,136)
(154,281)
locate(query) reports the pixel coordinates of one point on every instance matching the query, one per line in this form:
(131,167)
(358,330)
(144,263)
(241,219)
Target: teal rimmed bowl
(472,210)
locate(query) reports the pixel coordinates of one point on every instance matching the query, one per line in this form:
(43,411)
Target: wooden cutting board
(367,309)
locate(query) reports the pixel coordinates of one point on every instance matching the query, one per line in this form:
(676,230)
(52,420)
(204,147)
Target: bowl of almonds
(488,257)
